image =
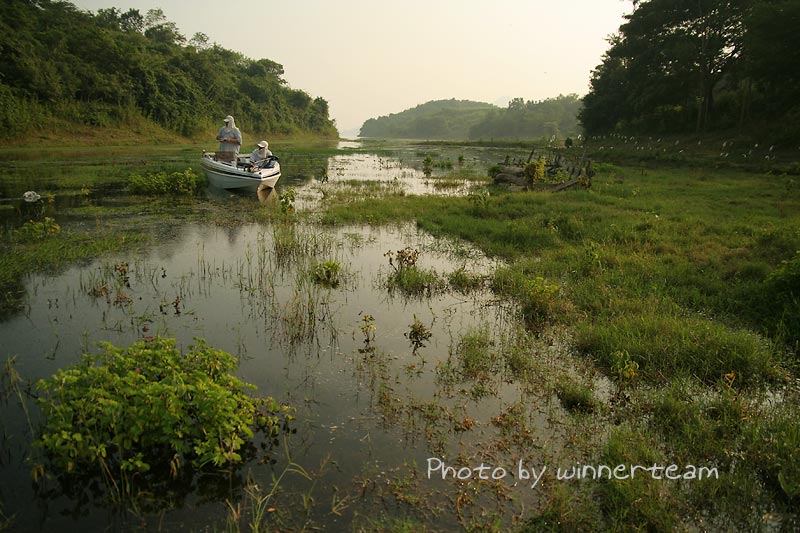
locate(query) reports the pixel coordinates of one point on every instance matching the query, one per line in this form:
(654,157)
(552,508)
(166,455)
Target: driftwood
(579,173)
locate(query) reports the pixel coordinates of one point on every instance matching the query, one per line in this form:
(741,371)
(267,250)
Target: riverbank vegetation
(680,286)
(63,69)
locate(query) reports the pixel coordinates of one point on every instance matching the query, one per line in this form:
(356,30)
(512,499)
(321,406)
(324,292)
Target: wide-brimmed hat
(263,144)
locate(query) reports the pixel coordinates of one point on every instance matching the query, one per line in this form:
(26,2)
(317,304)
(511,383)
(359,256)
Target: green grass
(698,247)
(680,285)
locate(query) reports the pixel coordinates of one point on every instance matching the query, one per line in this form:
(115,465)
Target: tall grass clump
(184,183)
(780,301)
(406,276)
(664,347)
(639,503)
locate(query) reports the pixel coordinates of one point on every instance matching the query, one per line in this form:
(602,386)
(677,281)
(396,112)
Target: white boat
(226,173)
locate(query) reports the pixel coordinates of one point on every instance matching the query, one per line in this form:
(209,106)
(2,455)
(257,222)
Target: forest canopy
(103,69)
(465,119)
(699,66)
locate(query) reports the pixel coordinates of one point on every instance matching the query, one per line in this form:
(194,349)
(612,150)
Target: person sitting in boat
(259,156)
(229,137)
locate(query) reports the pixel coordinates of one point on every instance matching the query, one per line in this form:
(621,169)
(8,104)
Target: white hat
(263,144)
(228,119)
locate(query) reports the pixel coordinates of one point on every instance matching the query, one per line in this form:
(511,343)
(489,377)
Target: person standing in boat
(259,156)
(229,137)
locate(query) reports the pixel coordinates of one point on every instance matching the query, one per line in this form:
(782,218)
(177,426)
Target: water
(369,414)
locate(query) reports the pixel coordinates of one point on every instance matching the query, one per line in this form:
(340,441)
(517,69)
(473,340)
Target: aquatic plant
(465,282)
(327,273)
(286,200)
(427,166)
(575,397)
(540,301)
(149,407)
(403,259)
(34,230)
(418,334)
(155,183)
(367,328)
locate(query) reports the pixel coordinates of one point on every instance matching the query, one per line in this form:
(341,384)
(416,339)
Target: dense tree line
(57,61)
(464,119)
(695,66)
(526,120)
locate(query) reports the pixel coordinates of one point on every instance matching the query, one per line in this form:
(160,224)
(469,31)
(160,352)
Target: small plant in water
(427,166)
(33,230)
(327,273)
(367,327)
(286,200)
(402,259)
(155,183)
(407,277)
(418,334)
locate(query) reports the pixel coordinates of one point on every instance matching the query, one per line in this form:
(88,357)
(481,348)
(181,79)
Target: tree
(668,61)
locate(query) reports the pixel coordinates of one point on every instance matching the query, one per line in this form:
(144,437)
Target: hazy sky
(369,58)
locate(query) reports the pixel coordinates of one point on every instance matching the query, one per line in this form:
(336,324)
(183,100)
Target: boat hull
(226,176)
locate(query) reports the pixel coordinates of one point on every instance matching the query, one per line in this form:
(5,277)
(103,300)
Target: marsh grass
(677,283)
(575,396)
(410,279)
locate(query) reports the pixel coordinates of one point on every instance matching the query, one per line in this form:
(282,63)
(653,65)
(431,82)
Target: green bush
(148,406)
(33,230)
(156,183)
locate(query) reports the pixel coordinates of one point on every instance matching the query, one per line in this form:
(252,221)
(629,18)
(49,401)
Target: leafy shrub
(130,410)
(33,230)
(155,183)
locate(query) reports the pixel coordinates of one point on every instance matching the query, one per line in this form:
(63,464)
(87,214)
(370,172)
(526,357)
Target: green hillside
(438,119)
(63,67)
(464,119)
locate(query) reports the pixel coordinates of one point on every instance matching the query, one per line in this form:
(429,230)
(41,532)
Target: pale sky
(370,58)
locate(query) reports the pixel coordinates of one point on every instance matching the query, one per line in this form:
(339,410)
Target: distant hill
(61,65)
(465,119)
(438,119)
